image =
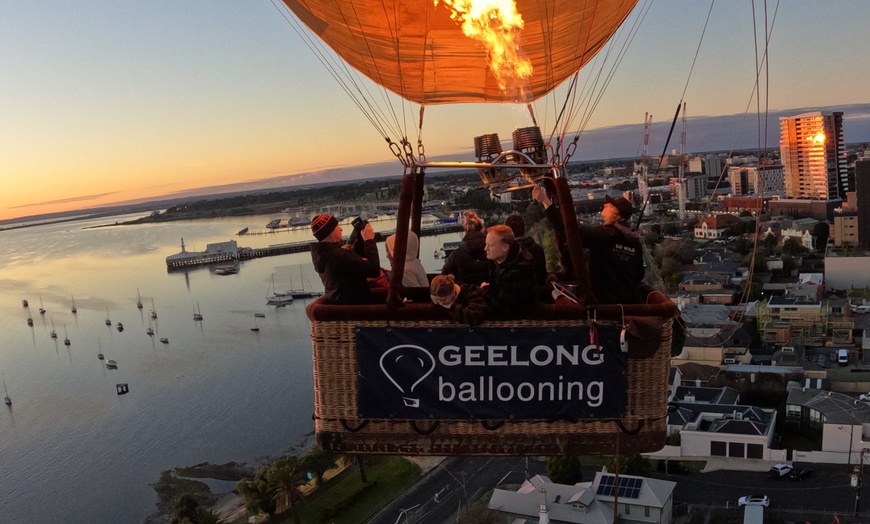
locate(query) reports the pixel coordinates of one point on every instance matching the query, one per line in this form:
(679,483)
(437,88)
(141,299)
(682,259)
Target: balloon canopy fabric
(417,50)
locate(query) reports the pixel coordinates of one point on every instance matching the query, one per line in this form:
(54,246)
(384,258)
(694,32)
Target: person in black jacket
(511,283)
(343,271)
(468,263)
(615,251)
(464,303)
(517,224)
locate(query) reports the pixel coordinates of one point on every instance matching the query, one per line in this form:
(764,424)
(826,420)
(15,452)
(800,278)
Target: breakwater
(247,253)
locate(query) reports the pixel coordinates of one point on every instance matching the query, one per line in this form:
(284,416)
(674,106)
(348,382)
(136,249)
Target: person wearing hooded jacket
(415,274)
(468,263)
(615,251)
(511,283)
(343,271)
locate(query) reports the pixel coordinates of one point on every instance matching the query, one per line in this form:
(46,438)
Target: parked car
(753,500)
(864,397)
(800,474)
(779,470)
(675,467)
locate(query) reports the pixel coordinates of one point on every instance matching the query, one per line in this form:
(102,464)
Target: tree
(359,460)
(821,232)
(564,469)
(285,475)
(317,462)
(258,493)
(792,246)
(634,464)
(185,509)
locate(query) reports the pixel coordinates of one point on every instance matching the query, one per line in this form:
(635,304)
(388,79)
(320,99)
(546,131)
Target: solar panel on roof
(628,487)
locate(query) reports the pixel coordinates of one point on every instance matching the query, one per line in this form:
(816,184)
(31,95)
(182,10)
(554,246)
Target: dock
(211,255)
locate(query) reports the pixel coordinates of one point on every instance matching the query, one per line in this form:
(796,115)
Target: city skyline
(136,102)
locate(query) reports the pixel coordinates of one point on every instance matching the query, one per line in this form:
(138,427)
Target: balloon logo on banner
(407,366)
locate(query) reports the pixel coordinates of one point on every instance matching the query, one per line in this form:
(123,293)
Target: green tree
(792,247)
(359,460)
(186,508)
(634,464)
(317,462)
(207,516)
(564,469)
(258,493)
(285,475)
(821,232)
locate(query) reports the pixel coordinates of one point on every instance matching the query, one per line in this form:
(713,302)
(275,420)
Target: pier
(211,256)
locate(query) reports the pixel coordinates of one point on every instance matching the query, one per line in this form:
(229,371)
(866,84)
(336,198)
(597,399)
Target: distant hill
(705,134)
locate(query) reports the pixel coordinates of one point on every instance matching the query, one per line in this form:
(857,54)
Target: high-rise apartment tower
(813,156)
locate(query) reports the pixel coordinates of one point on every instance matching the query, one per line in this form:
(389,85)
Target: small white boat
(164,340)
(153,310)
(149,331)
(225,270)
(260,315)
(41,309)
(100,355)
(29,321)
(108,320)
(24,303)
(111,364)
(65,336)
(138,299)
(119,327)
(6,399)
(73,309)
(256,327)
(197,316)
(52,333)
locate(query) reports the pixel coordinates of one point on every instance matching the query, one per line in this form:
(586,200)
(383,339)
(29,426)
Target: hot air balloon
(398,376)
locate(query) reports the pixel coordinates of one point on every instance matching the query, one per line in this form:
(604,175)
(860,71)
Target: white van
(861,309)
(842,357)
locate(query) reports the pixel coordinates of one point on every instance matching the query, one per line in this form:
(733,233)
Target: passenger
(415,274)
(517,224)
(511,283)
(615,252)
(343,271)
(468,262)
(465,303)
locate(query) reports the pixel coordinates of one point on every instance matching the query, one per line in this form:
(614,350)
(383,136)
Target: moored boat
(111,364)
(164,340)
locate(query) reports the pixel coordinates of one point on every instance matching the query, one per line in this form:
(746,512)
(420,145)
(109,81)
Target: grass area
(349,501)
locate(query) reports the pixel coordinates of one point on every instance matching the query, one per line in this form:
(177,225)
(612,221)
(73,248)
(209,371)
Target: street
(440,496)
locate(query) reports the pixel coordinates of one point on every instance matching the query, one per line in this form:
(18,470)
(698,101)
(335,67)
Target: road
(439,497)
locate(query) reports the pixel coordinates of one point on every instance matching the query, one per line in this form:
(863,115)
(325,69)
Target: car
(753,500)
(675,467)
(779,470)
(800,474)
(864,397)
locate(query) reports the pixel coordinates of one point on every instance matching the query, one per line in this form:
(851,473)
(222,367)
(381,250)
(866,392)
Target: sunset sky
(105,102)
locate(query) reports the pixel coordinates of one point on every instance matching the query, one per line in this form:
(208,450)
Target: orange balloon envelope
(429,52)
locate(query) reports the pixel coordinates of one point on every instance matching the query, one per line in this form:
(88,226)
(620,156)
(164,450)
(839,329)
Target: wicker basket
(339,428)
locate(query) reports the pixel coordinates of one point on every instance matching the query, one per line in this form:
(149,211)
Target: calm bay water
(71,449)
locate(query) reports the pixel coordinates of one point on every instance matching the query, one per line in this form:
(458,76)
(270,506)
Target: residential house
(540,500)
(838,422)
(714,226)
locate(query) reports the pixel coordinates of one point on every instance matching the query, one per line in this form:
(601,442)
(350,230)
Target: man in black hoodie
(615,252)
(343,271)
(517,223)
(511,284)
